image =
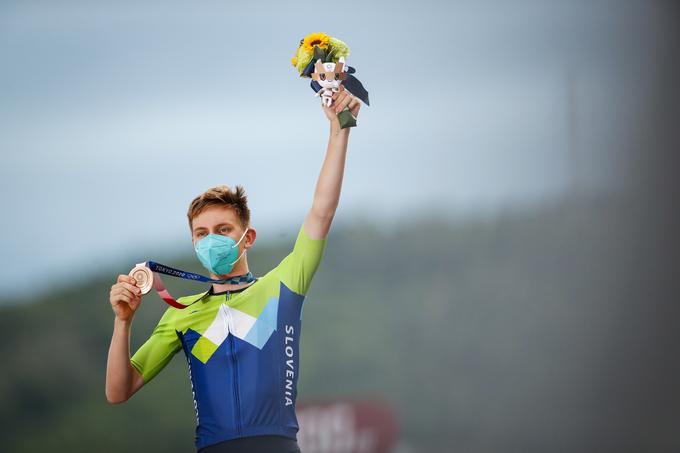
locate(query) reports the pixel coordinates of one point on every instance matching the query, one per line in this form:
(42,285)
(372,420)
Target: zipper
(237,400)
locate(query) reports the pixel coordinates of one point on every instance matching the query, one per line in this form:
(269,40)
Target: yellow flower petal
(316,39)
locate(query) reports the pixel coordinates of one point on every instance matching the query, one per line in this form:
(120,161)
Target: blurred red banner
(347,427)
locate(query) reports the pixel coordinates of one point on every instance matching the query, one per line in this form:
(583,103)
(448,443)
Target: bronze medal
(144,278)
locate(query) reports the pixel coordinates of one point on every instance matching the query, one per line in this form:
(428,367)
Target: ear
(340,67)
(318,66)
(249,240)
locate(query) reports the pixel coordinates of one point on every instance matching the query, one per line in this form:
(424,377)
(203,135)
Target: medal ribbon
(167,270)
(158,285)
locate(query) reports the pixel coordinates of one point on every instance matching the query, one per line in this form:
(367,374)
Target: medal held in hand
(143,278)
(323,59)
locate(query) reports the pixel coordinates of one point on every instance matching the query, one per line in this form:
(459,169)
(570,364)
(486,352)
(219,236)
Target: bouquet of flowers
(323,59)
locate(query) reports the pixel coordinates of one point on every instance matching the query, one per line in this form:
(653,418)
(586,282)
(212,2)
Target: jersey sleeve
(158,349)
(297,269)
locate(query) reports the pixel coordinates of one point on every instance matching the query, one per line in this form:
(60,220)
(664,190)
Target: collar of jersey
(209,294)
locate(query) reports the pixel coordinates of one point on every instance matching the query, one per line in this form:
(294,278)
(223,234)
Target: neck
(240,268)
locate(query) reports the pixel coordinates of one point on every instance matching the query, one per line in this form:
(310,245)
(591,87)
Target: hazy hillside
(512,333)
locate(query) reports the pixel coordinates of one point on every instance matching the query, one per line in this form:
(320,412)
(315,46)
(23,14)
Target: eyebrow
(216,226)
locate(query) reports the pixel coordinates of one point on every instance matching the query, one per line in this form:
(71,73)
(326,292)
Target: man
(241,340)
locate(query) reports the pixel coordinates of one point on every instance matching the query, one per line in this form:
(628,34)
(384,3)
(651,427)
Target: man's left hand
(342,99)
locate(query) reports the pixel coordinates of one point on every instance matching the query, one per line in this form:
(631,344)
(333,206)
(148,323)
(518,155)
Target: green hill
(496,334)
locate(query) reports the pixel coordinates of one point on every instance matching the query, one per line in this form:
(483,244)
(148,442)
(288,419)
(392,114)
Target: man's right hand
(125,297)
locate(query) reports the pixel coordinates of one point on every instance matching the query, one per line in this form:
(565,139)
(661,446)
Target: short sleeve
(158,349)
(297,269)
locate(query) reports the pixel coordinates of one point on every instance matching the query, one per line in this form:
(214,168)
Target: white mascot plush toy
(329,76)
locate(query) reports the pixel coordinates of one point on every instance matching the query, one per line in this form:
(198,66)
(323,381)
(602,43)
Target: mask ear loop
(239,241)
(236,245)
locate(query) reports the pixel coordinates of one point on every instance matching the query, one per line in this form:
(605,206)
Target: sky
(115,115)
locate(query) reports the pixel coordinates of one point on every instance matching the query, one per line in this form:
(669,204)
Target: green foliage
(319,53)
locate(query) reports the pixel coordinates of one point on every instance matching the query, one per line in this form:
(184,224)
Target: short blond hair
(221,196)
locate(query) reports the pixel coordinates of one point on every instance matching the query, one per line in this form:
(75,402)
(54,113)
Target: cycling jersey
(242,350)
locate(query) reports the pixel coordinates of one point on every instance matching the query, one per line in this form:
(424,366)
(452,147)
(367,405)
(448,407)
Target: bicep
(317,226)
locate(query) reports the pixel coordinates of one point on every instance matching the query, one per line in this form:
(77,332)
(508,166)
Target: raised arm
(327,194)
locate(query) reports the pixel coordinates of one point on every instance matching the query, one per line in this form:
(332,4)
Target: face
(220,220)
(327,76)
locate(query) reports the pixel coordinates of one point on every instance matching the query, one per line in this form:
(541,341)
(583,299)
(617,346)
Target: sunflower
(316,39)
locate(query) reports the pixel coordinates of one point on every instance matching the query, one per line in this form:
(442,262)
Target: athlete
(240,339)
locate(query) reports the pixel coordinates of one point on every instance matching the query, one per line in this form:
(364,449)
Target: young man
(241,340)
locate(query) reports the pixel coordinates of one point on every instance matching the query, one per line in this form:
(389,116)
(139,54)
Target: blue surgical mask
(218,253)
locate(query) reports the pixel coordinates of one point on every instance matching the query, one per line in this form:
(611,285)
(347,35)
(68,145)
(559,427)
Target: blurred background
(502,273)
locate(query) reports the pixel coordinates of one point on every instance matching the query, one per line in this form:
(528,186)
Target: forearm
(119,371)
(329,183)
